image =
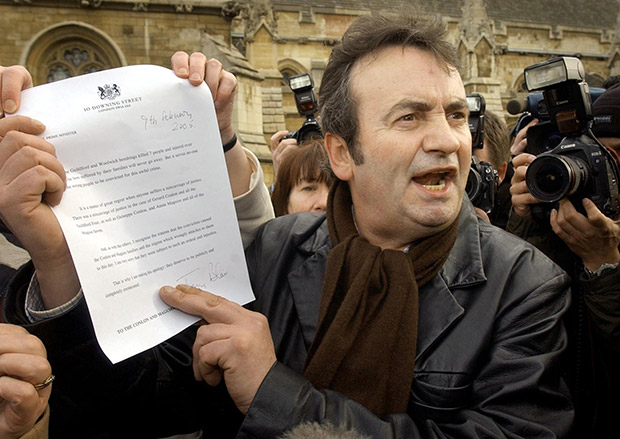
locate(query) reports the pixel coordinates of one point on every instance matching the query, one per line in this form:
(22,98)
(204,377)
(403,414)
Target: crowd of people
(386,306)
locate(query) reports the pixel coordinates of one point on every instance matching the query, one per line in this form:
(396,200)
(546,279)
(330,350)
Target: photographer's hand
(594,238)
(520,142)
(521,197)
(280,148)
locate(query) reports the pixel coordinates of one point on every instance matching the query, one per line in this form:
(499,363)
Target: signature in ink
(185,279)
(216,272)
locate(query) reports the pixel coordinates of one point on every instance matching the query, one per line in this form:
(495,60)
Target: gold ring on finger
(49,380)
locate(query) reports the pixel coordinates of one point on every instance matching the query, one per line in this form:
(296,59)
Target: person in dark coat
(585,244)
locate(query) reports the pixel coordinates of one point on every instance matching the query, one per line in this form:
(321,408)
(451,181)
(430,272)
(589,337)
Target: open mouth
(433,181)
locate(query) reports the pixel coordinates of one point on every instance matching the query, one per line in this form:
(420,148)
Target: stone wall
(142,36)
(495,40)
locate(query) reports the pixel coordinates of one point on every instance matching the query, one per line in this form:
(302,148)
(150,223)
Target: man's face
(415,140)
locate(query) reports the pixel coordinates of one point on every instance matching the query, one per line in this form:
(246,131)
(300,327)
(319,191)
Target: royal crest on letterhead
(109,92)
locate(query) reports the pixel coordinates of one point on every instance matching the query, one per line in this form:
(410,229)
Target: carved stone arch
(518,86)
(289,67)
(465,56)
(484,58)
(70,49)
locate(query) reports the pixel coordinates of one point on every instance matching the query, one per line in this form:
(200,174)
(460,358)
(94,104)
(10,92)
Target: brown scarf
(365,344)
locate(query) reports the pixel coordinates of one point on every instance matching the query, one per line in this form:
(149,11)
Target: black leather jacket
(489,339)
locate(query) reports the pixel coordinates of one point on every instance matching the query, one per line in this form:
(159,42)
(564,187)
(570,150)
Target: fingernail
(9,106)
(166,289)
(37,124)
(195,77)
(182,72)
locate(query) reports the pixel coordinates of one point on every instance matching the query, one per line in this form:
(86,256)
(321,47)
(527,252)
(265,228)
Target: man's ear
(339,157)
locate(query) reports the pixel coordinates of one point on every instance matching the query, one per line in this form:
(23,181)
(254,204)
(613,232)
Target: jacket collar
(439,309)
(464,265)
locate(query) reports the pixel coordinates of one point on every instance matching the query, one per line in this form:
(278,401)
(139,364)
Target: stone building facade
(265,41)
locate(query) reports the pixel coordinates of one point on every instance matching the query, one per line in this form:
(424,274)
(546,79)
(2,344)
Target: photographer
(495,151)
(585,244)
(283,142)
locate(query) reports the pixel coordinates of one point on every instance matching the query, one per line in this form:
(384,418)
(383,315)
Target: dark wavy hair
(497,139)
(367,34)
(307,162)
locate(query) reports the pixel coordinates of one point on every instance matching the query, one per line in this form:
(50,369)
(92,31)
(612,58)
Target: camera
(305,100)
(477,106)
(578,166)
(482,184)
(545,135)
(482,181)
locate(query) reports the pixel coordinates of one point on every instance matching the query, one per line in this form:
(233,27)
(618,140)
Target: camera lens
(474,182)
(551,177)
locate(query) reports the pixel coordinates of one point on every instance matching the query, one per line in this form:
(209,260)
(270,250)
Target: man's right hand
(234,344)
(31,180)
(521,197)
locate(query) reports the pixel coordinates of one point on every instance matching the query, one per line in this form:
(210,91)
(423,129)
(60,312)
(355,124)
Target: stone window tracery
(72,59)
(70,50)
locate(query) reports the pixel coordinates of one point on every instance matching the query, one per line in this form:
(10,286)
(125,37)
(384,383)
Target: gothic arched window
(72,59)
(70,50)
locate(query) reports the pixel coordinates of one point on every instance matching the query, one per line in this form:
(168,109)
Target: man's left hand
(235,344)
(13,80)
(223,85)
(594,238)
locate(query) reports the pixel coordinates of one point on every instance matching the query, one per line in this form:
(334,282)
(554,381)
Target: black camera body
(482,184)
(482,181)
(310,129)
(305,100)
(545,135)
(575,169)
(576,166)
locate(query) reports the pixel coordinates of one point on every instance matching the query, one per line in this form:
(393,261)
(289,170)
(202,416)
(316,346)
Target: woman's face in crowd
(308,196)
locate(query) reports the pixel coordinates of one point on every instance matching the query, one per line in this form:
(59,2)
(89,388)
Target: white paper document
(148,200)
